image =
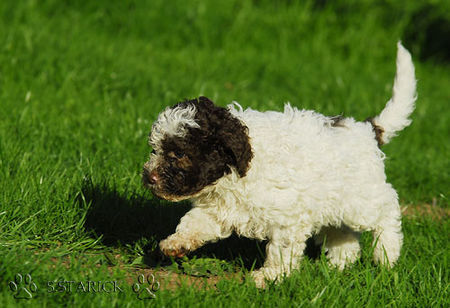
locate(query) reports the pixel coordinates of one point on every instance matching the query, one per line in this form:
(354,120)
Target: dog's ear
(232,135)
(203,100)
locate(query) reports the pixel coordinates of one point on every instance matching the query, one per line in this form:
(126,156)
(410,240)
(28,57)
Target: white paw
(259,279)
(339,257)
(337,263)
(267,274)
(178,246)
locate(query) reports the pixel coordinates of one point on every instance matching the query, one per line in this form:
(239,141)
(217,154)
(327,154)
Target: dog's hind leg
(381,215)
(342,245)
(388,238)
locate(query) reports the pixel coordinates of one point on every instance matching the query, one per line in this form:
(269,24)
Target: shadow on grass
(121,219)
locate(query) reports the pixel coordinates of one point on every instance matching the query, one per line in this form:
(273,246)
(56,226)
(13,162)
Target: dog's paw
(268,275)
(178,246)
(341,257)
(259,279)
(171,247)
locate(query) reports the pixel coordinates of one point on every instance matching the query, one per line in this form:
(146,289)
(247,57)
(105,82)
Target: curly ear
(228,131)
(234,136)
(203,100)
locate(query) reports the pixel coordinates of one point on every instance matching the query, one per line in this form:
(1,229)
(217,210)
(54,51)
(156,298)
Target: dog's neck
(220,190)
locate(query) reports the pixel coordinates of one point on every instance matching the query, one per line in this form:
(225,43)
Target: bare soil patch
(169,280)
(431,210)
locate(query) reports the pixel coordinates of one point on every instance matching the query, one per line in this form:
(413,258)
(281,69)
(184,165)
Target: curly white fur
(172,122)
(306,177)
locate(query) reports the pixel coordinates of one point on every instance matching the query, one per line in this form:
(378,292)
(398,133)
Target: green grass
(81,83)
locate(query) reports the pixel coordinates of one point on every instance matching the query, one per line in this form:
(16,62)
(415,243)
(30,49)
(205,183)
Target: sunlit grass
(81,83)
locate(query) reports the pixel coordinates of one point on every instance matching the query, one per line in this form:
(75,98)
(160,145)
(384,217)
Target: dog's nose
(153,178)
(150,177)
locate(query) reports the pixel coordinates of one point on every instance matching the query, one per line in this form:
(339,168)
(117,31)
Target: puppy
(281,177)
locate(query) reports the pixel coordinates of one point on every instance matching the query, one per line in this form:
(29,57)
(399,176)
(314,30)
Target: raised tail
(395,116)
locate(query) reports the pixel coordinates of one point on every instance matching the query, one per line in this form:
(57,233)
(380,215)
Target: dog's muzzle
(151,178)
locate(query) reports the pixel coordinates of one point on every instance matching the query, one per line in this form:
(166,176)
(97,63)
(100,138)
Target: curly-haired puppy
(281,177)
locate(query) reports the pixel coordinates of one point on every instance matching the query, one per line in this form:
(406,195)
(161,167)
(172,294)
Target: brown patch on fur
(229,130)
(337,121)
(378,130)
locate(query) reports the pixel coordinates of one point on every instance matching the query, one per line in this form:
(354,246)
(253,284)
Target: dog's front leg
(283,256)
(196,228)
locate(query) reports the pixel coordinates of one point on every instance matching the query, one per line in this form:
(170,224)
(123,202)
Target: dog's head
(194,143)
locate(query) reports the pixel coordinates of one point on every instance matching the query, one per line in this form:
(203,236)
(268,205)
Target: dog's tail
(395,116)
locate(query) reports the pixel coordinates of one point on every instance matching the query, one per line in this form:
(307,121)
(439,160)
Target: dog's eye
(179,154)
(153,152)
(176,154)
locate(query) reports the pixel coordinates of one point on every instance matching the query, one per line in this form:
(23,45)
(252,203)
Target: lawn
(82,81)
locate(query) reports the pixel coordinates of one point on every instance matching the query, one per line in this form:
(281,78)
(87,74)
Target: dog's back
(331,156)
(304,151)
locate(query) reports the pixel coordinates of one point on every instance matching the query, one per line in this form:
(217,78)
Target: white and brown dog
(281,177)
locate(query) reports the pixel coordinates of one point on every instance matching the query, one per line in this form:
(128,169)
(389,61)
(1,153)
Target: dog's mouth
(164,187)
(165,196)
(158,192)
(170,198)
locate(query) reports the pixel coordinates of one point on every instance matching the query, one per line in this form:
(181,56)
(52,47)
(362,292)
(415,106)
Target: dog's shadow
(121,220)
